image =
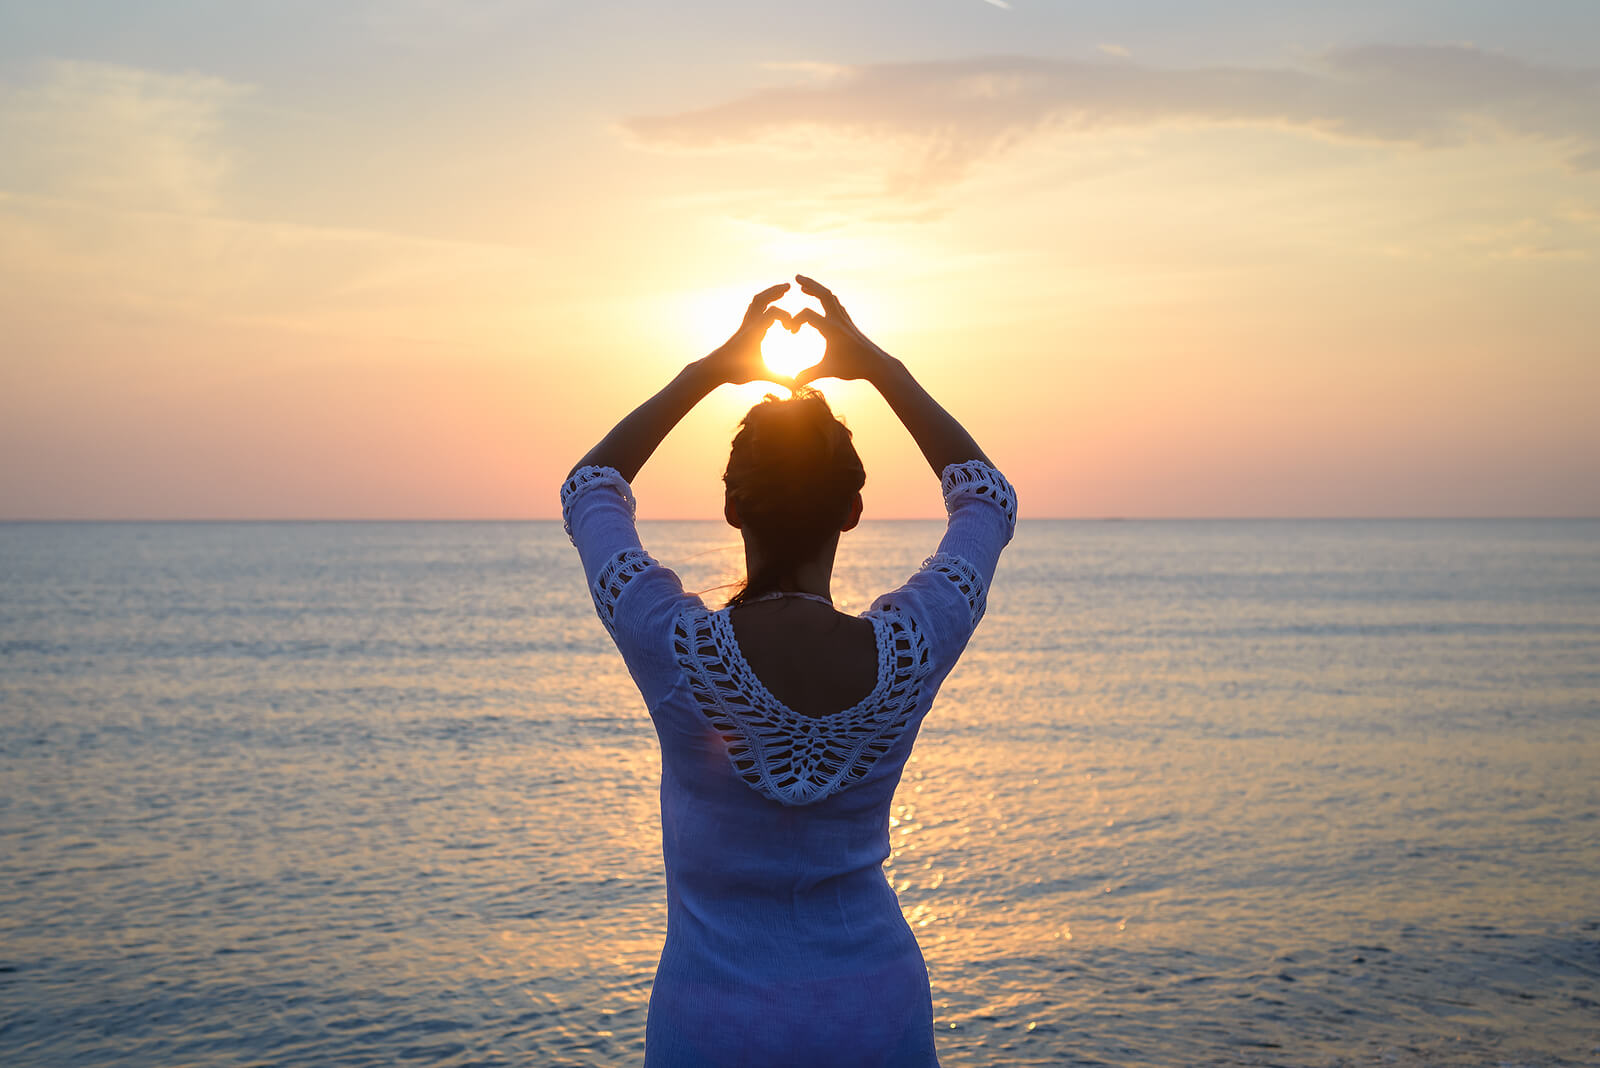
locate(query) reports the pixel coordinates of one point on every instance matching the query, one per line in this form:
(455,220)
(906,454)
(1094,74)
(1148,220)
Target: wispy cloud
(937,120)
(809,68)
(117,136)
(114,193)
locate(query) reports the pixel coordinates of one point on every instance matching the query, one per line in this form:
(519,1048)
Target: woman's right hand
(849,354)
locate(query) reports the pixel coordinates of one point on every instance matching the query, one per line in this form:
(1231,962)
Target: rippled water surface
(1200,793)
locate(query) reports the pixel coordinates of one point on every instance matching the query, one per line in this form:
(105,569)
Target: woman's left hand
(738,360)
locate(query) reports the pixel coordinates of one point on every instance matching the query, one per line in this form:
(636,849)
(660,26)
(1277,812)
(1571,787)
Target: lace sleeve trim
(965,578)
(975,478)
(613,578)
(587,478)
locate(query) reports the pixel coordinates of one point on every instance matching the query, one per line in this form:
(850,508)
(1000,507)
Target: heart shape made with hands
(787,354)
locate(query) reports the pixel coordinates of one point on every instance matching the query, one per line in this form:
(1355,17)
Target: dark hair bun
(793,474)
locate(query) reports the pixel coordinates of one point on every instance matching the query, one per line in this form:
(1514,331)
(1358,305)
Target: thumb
(809,375)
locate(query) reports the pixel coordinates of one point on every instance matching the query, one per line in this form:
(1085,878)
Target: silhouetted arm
(850,355)
(634,440)
(942,439)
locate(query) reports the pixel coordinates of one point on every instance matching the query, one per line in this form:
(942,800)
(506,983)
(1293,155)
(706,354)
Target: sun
(706,317)
(787,354)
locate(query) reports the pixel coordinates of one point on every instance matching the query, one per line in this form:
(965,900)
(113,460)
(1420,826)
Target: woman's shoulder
(946,588)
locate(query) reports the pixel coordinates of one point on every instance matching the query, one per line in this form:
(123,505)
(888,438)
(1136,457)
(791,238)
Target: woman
(784,724)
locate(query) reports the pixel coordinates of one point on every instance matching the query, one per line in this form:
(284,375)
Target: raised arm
(948,595)
(851,355)
(632,441)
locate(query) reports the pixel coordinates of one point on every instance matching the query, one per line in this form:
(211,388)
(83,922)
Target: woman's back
(814,659)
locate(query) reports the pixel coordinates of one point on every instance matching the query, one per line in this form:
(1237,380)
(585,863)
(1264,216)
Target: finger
(765,297)
(830,303)
(757,323)
(814,318)
(813,288)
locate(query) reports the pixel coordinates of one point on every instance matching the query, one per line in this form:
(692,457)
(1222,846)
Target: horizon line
(880,519)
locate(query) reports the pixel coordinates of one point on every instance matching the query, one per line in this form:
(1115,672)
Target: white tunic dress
(785,942)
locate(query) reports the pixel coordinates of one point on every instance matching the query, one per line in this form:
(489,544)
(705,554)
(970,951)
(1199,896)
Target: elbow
(586,460)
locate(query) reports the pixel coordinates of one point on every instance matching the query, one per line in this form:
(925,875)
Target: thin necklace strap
(779,594)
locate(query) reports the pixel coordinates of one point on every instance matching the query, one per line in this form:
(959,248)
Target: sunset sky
(411,258)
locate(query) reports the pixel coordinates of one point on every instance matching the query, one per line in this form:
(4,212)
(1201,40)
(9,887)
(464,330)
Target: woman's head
(792,483)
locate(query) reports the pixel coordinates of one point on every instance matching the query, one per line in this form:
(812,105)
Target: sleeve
(635,597)
(948,596)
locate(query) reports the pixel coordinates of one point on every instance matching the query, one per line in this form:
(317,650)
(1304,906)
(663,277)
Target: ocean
(1200,793)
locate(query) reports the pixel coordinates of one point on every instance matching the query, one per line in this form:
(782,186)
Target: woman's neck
(813,576)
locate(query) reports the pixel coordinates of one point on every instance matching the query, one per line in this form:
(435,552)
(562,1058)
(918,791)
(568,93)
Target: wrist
(886,372)
(701,375)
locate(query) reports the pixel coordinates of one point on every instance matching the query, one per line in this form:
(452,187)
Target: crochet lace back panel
(787,757)
(977,479)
